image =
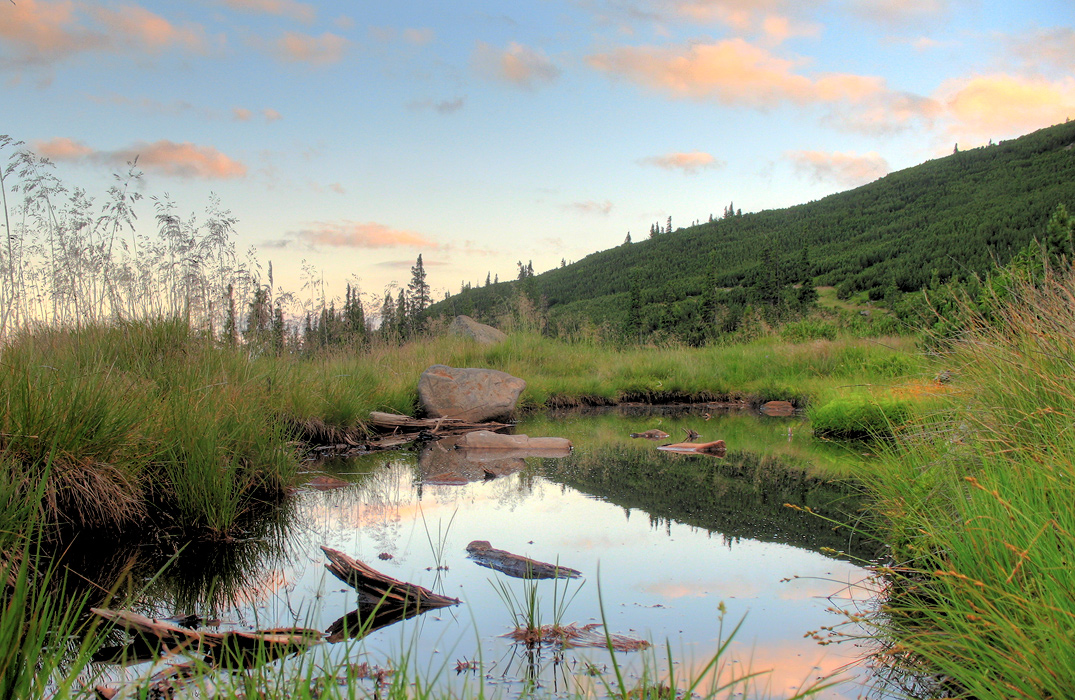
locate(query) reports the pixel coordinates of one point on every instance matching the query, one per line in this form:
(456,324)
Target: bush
(859,417)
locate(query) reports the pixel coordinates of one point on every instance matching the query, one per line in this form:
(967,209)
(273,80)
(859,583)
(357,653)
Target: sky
(348,138)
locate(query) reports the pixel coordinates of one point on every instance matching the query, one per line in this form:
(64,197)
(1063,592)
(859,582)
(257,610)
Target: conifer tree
(388,316)
(417,290)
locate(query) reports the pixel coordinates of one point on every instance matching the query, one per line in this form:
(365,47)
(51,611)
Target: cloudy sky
(355,136)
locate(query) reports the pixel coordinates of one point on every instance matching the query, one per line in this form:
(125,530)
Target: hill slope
(954,216)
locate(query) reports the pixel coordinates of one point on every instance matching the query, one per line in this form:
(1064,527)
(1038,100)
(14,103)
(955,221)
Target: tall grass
(137,422)
(145,420)
(978,505)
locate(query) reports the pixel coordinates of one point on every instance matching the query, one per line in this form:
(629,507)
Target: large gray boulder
(469,328)
(474,395)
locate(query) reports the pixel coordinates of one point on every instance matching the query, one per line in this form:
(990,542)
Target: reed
(976,500)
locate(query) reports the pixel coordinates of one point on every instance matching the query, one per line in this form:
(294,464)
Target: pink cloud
(999,106)
(846,169)
(690,163)
(352,234)
(184,160)
(300,11)
(41,32)
(518,65)
(146,31)
(271,115)
(62,148)
(241,114)
(732,72)
(36,33)
(294,47)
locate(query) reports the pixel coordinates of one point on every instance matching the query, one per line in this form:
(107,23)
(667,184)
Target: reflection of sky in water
(659,581)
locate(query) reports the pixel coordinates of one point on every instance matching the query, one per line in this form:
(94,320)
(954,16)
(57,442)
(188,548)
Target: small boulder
(778,408)
(469,394)
(469,328)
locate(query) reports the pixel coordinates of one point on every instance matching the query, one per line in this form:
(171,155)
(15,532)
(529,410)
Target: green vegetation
(976,502)
(858,416)
(154,384)
(951,218)
(151,423)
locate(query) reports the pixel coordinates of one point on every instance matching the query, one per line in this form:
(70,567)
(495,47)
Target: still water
(677,550)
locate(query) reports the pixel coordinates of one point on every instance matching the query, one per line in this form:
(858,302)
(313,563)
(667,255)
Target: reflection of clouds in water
(785,668)
(701,589)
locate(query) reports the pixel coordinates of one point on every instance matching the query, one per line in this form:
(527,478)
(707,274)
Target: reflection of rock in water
(441,463)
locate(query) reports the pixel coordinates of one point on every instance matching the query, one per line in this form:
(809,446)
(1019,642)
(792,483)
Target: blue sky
(355,136)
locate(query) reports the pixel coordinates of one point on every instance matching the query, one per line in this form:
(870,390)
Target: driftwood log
(375,588)
(437,426)
(516,565)
(716,447)
(229,649)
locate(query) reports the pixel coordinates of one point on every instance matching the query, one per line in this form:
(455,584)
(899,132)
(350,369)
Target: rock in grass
(468,394)
(469,328)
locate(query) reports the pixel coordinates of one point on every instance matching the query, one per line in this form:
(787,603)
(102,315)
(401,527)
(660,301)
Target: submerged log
(375,588)
(716,447)
(437,426)
(516,565)
(232,648)
(240,649)
(652,434)
(150,630)
(488,440)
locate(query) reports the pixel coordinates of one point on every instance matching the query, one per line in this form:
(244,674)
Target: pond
(677,550)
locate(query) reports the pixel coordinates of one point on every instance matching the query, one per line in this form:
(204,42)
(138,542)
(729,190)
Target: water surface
(676,549)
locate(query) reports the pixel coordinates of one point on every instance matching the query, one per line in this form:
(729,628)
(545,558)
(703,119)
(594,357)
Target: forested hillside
(953,217)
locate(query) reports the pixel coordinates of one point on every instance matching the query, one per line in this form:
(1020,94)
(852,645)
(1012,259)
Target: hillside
(955,216)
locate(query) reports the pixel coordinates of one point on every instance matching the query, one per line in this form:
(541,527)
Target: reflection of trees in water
(380,499)
(739,496)
(163,576)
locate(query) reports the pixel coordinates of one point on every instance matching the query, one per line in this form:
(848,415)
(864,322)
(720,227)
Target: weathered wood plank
(516,565)
(377,588)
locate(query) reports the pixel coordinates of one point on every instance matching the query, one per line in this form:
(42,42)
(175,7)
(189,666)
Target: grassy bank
(149,422)
(977,503)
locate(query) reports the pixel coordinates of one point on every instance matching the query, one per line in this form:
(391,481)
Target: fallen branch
(375,588)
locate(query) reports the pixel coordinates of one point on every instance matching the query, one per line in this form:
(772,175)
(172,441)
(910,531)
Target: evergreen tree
(354,317)
(388,316)
(259,317)
(633,327)
(1059,235)
(403,314)
(417,291)
(627,241)
(668,228)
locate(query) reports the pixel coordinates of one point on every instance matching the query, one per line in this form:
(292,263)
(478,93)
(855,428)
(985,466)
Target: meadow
(148,385)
